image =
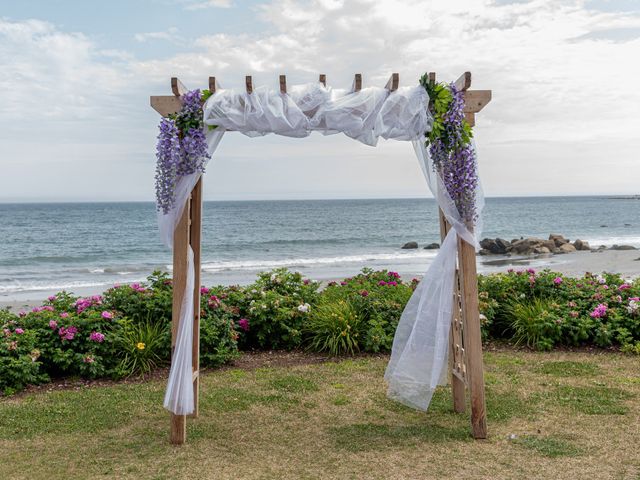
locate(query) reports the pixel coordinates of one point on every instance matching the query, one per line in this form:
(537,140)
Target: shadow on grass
(596,400)
(569,369)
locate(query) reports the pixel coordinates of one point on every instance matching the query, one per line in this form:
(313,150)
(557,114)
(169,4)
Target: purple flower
(52,298)
(557,280)
(243,323)
(96,337)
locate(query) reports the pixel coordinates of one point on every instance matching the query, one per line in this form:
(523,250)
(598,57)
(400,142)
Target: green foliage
(140,346)
(535,323)
(19,365)
(335,327)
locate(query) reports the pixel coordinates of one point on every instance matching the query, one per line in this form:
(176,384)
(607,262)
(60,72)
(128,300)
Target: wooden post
(195,233)
(457,384)
(180,247)
(472,336)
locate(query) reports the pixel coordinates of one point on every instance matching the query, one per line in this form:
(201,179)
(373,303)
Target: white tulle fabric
(419,357)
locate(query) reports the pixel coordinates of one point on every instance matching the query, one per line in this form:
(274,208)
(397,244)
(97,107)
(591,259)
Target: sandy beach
(624,262)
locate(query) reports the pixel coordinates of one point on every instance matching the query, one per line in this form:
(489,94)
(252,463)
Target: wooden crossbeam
(213,85)
(464,81)
(393,83)
(357,82)
(177,87)
(248,82)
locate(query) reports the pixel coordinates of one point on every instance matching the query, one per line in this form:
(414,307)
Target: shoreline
(623,262)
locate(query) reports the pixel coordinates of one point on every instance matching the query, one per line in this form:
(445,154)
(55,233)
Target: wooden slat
(393,83)
(195,375)
(214,86)
(457,384)
(283,84)
(177,87)
(432,77)
(464,81)
(472,337)
(166,104)
(195,235)
(357,82)
(180,246)
(476,100)
(248,83)
(323,79)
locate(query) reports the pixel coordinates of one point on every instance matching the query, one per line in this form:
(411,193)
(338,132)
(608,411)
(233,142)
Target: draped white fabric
(419,357)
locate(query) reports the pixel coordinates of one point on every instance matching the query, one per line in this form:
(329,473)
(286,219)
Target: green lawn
(551,415)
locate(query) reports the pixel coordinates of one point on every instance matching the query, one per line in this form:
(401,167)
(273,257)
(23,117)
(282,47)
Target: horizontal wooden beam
(476,100)
(393,83)
(464,81)
(166,104)
(177,87)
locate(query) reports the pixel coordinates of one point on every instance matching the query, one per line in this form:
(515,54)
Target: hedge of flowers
(127,330)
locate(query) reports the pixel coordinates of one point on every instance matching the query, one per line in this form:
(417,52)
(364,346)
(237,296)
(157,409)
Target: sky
(76,76)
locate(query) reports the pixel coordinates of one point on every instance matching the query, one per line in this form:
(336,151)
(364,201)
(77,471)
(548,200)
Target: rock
(484,251)
(410,245)
(503,244)
(580,245)
(558,239)
(541,250)
(603,226)
(567,248)
(485,243)
(623,247)
(432,246)
(627,224)
(527,245)
(497,247)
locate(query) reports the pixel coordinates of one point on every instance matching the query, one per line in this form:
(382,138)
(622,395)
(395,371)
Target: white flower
(633,307)
(522,295)
(304,308)
(601,280)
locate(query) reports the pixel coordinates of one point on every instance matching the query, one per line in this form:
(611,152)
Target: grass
(550,415)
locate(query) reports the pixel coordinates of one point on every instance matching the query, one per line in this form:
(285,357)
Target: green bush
(335,327)
(141,347)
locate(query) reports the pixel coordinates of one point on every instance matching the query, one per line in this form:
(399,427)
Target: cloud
(170,35)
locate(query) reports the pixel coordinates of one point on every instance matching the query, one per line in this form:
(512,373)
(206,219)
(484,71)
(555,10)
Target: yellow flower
(140,346)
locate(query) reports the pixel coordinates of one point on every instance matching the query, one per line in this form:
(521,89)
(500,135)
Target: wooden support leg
(472,337)
(180,247)
(195,235)
(457,385)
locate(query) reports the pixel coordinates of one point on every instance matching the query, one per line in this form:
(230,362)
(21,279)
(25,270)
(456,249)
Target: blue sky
(78,74)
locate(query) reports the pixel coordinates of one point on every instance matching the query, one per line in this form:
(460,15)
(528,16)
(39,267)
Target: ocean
(82,247)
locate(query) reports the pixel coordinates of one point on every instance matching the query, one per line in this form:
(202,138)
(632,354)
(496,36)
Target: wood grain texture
(283,84)
(322,78)
(357,82)
(195,235)
(177,87)
(214,86)
(464,81)
(472,337)
(248,83)
(476,100)
(393,83)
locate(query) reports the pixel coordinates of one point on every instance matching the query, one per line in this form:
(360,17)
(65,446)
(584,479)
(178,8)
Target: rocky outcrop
(623,247)
(555,244)
(410,245)
(432,246)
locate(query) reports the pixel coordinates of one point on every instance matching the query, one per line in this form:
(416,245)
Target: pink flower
(89,359)
(138,288)
(599,312)
(243,323)
(214,302)
(64,315)
(306,281)
(624,286)
(53,324)
(19,331)
(394,274)
(531,271)
(13,345)
(22,314)
(382,283)
(557,280)
(606,287)
(532,279)
(510,270)
(67,333)
(331,284)
(392,284)
(96,337)
(634,299)
(52,298)
(343,283)
(364,293)
(204,290)
(618,299)
(573,314)
(106,315)
(6,332)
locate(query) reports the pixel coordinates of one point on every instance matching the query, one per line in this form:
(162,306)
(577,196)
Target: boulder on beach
(410,245)
(623,247)
(432,246)
(541,250)
(566,248)
(581,245)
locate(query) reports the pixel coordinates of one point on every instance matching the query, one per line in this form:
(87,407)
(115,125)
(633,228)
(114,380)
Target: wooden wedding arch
(465,354)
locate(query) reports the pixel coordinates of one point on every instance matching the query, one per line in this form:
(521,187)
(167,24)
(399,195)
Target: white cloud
(170,35)
(563,94)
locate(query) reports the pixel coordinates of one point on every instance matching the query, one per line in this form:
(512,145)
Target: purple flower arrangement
(181,149)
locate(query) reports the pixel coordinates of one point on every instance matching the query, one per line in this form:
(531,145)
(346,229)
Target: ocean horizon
(93,245)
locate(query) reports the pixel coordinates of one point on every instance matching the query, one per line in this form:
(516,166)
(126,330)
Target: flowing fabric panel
(419,355)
